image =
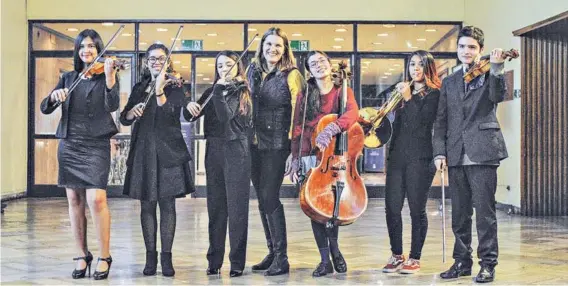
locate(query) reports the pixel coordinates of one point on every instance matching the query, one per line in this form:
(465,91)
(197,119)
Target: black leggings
(267,173)
(149,221)
(326,240)
(412,179)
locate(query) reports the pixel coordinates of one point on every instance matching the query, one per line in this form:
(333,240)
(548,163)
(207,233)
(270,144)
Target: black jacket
(100,103)
(222,116)
(469,120)
(162,122)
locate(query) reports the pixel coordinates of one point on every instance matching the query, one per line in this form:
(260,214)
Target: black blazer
(170,146)
(469,120)
(416,117)
(100,103)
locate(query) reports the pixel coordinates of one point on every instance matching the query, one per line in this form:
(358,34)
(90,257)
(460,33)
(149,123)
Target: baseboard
(509,209)
(14,196)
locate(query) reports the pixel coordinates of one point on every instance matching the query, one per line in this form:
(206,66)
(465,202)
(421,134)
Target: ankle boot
(167,266)
(151,263)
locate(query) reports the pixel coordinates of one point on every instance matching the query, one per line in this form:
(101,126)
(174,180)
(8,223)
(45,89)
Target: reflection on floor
(37,247)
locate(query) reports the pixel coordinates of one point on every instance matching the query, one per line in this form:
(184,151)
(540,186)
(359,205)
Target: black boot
(486,274)
(267,261)
(458,269)
(339,263)
(151,263)
(167,266)
(323,269)
(277,225)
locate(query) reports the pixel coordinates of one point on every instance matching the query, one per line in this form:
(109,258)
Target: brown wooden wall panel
(544,131)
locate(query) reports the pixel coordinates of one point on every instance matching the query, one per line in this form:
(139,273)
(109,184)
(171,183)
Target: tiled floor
(37,247)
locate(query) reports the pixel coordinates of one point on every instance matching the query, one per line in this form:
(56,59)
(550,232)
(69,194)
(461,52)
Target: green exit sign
(300,45)
(192,45)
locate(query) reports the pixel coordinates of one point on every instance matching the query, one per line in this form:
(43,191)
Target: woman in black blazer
(85,129)
(158,163)
(410,169)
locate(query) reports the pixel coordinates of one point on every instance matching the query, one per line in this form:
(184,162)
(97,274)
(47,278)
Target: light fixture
(388,73)
(220,43)
(430,30)
(396,65)
(204,60)
(367,62)
(385,77)
(72,29)
(212,34)
(297,35)
(339,39)
(211,65)
(413,47)
(336,47)
(161,29)
(392,59)
(364,67)
(200,24)
(377,43)
(143,43)
(251,29)
(199,74)
(383,35)
(391,69)
(257,39)
(389,25)
(206,78)
(112,48)
(421,40)
(108,24)
(126,34)
(377,50)
(184,67)
(341,30)
(177,62)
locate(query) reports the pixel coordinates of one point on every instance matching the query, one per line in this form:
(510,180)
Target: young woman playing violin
(323,98)
(227,161)
(158,163)
(85,129)
(409,169)
(275,83)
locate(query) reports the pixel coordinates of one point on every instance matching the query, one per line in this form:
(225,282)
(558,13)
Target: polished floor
(37,248)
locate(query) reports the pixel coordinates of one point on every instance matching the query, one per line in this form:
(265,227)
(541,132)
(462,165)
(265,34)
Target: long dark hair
(146,74)
(430,72)
(78,64)
(314,96)
(286,62)
(245,101)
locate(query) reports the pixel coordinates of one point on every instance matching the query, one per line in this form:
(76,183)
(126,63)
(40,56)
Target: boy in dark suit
(467,138)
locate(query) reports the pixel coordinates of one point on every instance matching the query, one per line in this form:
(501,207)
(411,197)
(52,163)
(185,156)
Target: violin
(99,66)
(483,65)
(334,193)
(176,78)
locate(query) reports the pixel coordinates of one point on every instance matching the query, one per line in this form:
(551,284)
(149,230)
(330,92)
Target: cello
(333,192)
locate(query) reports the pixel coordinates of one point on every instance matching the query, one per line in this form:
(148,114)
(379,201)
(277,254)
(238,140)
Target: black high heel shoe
(100,275)
(78,274)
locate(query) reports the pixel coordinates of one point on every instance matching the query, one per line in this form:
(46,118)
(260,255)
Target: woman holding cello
(410,169)
(85,129)
(323,98)
(158,162)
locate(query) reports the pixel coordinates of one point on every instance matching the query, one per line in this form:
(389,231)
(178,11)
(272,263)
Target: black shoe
(100,275)
(339,263)
(77,274)
(213,271)
(151,263)
(167,266)
(236,273)
(267,261)
(458,269)
(486,274)
(323,269)
(277,225)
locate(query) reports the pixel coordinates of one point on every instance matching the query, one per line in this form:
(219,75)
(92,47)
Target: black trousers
(228,187)
(268,167)
(410,179)
(474,186)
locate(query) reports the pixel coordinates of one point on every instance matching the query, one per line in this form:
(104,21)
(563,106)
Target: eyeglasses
(315,64)
(153,59)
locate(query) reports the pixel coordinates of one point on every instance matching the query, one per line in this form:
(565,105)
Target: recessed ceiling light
(396,65)
(421,40)
(161,29)
(211,65)
(392,59)
(388,73)
(384,77)
(139,31)
(206,78)
(177,62)
(200,24)
(336,47)
(220,43)
(184,67)
(430,30)
(251,29)
(391,69)
(212,34)
(377,43)
(108,24)
(297,35)
(377,50)
(204,60)
(341,30)
(112,48)
(199,74)
(413,47)
(389,25)
(126,34)
(257,39)
(72,29)
(367,62)
(339,39)
(364,67)
(383,35)
(143,43)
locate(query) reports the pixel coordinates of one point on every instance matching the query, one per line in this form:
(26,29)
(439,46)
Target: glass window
(45,161)
(377,75)
(194,37)
(325,37)
(407,37)
(61,36)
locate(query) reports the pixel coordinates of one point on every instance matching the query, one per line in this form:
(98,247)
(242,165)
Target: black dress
(158,162)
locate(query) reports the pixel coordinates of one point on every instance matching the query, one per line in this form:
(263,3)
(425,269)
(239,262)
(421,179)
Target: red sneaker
(394,264)
(410,266)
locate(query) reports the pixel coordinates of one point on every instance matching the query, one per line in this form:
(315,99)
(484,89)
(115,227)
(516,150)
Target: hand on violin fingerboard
(496,56)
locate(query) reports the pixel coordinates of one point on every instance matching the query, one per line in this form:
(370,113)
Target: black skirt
(84,163)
